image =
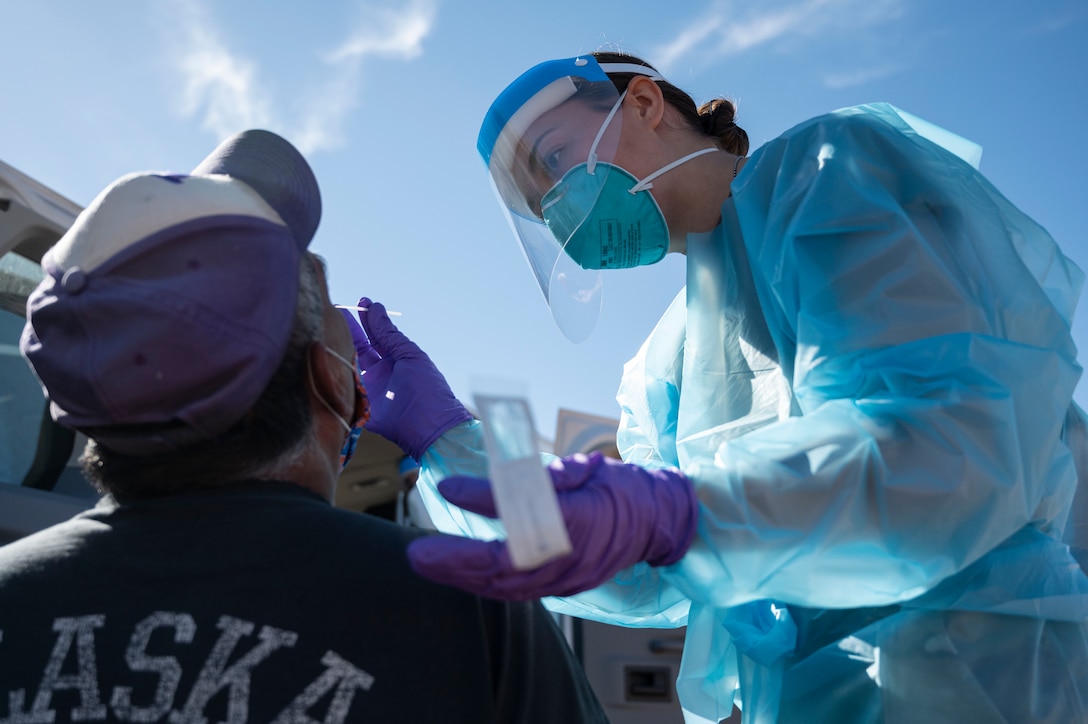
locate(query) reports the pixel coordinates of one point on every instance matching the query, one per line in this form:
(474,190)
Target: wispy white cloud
(379,33)
(388,33)
(693,35)
(215,82)
(227,91)
(728,28)
(861,76)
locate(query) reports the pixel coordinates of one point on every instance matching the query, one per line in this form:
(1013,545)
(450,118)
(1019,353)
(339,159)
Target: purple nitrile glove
(616,514)
(422,405)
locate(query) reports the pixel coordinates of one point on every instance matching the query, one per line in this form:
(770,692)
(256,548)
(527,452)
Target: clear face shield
(548,142)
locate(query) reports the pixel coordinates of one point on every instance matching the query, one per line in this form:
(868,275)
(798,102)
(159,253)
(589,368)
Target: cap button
(73,280)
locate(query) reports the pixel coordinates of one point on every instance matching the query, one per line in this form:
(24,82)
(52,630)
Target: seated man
(186,329)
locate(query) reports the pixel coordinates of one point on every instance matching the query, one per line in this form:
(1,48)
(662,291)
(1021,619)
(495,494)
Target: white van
(40,483)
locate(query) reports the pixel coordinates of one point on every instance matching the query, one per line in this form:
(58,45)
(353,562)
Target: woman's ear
(646,101)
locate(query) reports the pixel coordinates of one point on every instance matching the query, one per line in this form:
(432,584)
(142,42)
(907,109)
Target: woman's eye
(551,161)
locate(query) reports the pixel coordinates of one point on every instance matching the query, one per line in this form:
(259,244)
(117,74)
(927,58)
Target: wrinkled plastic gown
(868,379)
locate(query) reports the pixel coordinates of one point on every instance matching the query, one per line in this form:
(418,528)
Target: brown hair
(714,118)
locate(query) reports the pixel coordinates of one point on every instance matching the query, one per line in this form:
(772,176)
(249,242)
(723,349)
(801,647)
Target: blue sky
(386,98)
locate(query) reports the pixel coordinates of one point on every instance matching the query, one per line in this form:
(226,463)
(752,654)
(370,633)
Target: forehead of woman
(562,127)
(574,115)
(554,143)
(563,137)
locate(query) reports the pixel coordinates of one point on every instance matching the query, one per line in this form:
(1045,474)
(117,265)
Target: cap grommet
(73,280)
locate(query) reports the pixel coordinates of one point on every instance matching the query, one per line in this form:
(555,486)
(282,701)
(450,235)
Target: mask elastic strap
(313,386)
(345,361)
(646,183)
(591,161)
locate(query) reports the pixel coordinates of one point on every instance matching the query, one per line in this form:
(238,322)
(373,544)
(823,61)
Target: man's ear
(327,381)
(646,101)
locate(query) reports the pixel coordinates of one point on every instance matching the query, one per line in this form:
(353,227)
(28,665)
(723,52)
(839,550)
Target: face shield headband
(531,137)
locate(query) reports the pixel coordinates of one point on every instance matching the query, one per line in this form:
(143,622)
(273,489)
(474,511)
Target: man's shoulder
(329,521)
(56,541)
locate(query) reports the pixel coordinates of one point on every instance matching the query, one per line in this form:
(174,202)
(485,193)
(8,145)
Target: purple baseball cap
(167,306)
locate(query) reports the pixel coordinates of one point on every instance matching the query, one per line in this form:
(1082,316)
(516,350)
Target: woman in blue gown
(866,385)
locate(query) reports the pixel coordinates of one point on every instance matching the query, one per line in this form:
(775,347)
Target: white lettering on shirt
(85,680)
(215,674)
(73,667)
(167,667)
(339,673)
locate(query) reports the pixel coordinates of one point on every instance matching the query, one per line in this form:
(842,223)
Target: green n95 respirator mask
(608,220)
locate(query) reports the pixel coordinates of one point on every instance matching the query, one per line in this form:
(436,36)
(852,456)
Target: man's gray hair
(305,330)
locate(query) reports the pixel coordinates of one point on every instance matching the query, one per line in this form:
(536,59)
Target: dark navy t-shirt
(261,602)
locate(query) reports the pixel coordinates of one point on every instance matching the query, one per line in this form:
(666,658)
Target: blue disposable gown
(868,378)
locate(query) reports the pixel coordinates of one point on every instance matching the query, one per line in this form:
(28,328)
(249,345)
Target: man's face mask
(361,412)
(603,216)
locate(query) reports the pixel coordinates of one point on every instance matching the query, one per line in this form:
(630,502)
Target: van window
(22,404)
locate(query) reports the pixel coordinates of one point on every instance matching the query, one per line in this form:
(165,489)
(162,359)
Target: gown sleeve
(923,322)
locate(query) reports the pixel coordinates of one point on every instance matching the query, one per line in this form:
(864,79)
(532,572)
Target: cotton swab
(363,309)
